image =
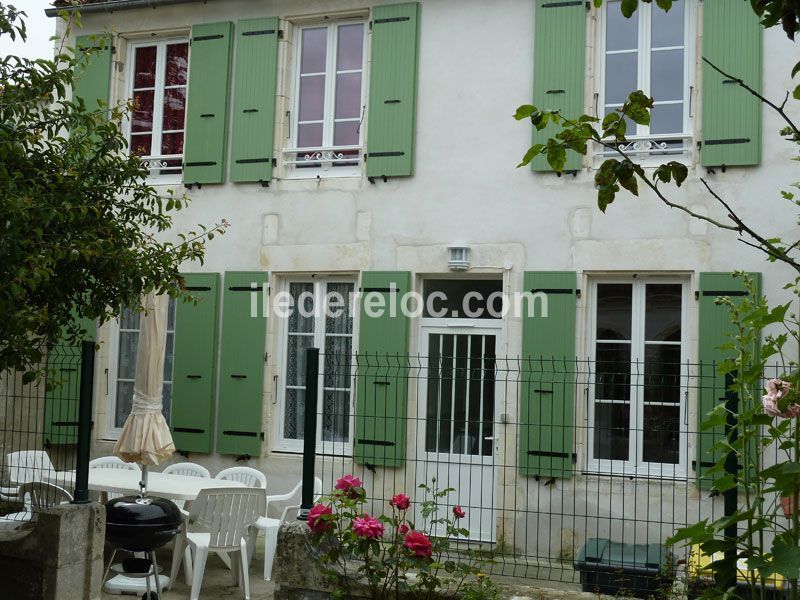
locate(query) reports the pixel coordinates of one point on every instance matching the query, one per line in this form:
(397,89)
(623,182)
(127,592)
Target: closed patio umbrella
(145,438)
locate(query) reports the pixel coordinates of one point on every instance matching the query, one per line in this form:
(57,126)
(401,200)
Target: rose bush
(382,550)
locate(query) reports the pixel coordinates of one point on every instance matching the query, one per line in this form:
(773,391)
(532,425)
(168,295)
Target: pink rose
(367,527)
(400,501)
(458,512)
(777,390)
(419,544)
(349,485)
(317,524)
(402,529)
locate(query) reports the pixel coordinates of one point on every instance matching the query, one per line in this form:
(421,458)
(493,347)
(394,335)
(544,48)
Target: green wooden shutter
(207,103)
(382,373)
(715,329)
(93,80)
(241,383)
(254,100)
(61,402)
(195,364)
(393,90)
(731,115)
(547,391)
(558,69)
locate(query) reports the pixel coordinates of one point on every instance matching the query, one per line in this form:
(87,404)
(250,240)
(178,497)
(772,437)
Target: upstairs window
(157,86)
(326,134)
(649,52)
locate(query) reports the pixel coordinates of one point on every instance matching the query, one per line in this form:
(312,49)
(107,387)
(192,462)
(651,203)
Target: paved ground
(216,582)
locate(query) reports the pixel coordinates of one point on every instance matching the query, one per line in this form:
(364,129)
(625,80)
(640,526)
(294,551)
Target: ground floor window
(638,397)
(320,315)
(122,365)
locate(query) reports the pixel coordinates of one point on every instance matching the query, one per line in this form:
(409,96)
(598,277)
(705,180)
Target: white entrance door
(456,422)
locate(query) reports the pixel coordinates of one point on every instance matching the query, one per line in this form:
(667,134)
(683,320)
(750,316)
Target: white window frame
(282,443)
(641,145)
(113,432)
(153,161)
(292,155)
(632,466)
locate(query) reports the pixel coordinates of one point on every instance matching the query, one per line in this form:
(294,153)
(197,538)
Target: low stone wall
(58,558)
(297,574)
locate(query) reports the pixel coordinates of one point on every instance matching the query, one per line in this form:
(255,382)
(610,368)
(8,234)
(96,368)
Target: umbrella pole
(143,482)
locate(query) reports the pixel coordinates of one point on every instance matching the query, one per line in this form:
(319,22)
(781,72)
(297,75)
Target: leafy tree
(83,233)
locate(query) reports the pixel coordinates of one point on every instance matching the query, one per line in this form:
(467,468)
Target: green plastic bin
(639,570)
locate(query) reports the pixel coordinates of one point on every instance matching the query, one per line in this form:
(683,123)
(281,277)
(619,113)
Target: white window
(157,80)
(122,366)
(638,393)
(328,101)
(650,51)
(321,316)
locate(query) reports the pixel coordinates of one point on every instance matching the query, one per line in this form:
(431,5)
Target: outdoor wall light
(458,258)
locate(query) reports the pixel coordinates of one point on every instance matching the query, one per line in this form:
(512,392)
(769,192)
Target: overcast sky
(40,30)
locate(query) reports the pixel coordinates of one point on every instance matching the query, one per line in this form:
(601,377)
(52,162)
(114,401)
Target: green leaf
(664,4)
(524,111)
(679,171)
(694,534)
(556,155)
(532,153)
(628,7)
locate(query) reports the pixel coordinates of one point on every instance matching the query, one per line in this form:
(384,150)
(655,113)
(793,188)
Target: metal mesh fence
(544,455)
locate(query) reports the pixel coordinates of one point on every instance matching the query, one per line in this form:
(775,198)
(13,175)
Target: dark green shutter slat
(382,374)
(207,103)
(715,329)
(93,80)
(195,365)
(393,90)
(61,402)
(731,122)
(239,412)
(254,100)
(547,367)
(558,69)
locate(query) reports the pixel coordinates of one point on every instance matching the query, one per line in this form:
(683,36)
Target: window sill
(676,475)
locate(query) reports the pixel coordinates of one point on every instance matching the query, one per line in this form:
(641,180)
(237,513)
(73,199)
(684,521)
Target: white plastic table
(124,481)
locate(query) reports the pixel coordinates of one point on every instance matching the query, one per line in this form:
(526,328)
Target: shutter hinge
(280,34)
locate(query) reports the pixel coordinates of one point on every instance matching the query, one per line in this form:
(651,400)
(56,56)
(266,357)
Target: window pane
(611,432)
(663,312)
(141,144)
(166,399)
(667,27)
(621,33)
(293,414)
(662,373)
(451,298)
(661,440)
(301,319)
(124,402)
(614,311)
(338,361)
(171,314)
(335,416)
(613,372)
(666,118)
(348,96)
(621,76)
(309,135)
(174,109)
(177,64)
(142,119)
(127,354)
(338,314)
(666,77)
(346,134)
(144,75)
(169,357)
(129,319)
(349,55)
(314,49)
(296,358)
(312,98)
(172,143)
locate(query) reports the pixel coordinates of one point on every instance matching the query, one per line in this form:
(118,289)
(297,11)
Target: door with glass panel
(319,316)
(638,394)
(456,420)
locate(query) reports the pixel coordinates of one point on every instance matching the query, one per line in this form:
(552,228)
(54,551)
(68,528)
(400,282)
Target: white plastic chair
(112,462)
(189,469)
(28,465)
(246,475)
(219,521)
(36,495)
(270,526)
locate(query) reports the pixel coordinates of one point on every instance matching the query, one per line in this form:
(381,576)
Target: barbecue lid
(135,510)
